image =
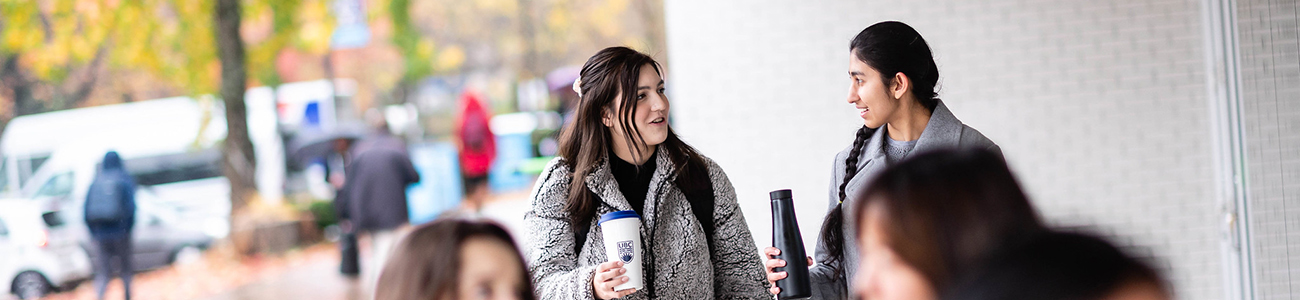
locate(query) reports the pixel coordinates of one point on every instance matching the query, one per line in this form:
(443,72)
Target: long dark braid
(833,226)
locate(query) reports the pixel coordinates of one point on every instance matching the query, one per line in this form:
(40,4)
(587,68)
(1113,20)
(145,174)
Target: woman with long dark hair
(619,154)
(893,86)
(923,223)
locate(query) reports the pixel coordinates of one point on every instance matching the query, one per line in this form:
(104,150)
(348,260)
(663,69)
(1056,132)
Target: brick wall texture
(1270,88)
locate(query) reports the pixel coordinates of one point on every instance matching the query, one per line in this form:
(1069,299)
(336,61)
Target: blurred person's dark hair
(610,74)
(375,118)
(427,263)
(1060,266)
(889,47)
(943,211)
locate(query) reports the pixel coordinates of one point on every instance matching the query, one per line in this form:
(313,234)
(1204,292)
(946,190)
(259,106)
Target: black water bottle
(785,236)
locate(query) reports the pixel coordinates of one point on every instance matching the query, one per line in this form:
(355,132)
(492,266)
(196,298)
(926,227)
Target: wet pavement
(317,280)
(318,277)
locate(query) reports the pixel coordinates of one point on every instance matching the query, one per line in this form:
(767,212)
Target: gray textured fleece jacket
(683,266)
(943,131)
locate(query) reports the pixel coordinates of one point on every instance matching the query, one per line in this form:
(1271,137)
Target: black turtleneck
(633,181)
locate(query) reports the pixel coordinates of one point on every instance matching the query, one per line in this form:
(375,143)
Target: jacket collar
(942,131)
(601,181)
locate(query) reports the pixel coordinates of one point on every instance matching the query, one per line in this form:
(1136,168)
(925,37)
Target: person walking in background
(336,165)
(376,184)
(620,154)
(478,147)
(453,258)
(110,216)
(380,136)
(930,219)
(892,78)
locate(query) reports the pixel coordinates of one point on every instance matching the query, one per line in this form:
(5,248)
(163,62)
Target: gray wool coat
(942,132)
(674,239)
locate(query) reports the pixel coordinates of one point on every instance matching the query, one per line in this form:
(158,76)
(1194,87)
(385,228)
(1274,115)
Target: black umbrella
(312,143)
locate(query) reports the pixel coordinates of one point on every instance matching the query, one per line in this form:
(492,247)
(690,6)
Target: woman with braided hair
(893,77)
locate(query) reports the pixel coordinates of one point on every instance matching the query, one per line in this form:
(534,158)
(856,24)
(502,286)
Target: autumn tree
(54,53)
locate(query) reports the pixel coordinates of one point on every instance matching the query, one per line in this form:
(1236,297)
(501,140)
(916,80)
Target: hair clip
(577,86)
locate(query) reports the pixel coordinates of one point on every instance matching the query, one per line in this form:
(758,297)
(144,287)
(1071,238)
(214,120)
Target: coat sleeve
(737,267)
(552,260)
(408,169)
(826,284)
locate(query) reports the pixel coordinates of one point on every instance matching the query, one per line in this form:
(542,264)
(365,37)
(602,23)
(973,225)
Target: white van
(190,182)
(29,141)
(175,125)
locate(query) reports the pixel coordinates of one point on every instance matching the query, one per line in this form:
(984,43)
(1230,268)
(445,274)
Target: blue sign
(439,189)
(352,30)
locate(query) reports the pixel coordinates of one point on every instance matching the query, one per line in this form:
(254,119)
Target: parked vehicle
(161,235)
(163,124)
(176,125)
(37,254)
(189,182)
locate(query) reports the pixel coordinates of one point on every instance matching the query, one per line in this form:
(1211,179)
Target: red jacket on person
(478,145)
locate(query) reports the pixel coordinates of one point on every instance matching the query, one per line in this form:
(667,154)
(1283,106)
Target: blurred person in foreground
(1061,266)
(478,148)
(376,183)
(620,154)
(454,258)
(110,216)
(934,216)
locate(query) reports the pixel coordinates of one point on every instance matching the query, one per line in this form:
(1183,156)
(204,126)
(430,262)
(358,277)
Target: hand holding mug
(609,275)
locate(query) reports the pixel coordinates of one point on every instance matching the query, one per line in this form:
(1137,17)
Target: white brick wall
(1100,106)
(1270,74)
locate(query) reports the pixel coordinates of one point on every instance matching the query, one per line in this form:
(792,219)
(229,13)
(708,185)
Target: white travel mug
(622,234)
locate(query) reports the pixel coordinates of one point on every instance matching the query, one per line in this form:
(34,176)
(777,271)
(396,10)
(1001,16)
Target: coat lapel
(601,181)
(665,172)
(872,157)
(943,131)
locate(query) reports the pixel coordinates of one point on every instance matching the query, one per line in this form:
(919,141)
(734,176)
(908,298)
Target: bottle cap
(780,194)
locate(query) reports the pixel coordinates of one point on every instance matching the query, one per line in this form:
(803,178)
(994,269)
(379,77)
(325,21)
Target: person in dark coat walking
(110,216)
(375,187)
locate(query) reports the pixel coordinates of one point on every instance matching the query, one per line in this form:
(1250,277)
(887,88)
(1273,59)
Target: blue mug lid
(622,214)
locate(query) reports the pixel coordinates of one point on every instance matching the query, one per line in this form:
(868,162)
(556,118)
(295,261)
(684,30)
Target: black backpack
(107,201)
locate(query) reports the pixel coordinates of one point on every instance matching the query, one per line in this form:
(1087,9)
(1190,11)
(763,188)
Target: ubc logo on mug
(625,251)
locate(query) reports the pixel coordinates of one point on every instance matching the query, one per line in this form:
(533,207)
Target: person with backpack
(619,154)
(478,148)
(110,216)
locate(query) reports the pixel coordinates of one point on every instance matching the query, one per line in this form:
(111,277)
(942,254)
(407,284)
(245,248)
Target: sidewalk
(317,280)
(220,272)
